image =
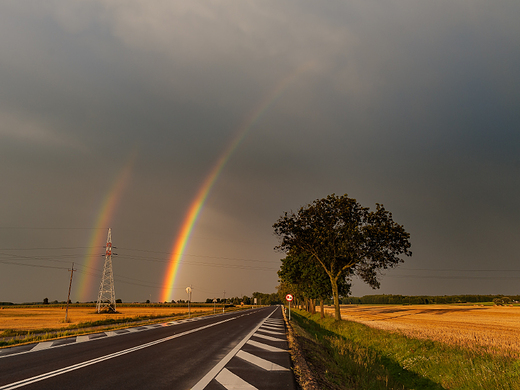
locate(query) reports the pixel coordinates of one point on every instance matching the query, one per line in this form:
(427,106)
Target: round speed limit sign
(289,297)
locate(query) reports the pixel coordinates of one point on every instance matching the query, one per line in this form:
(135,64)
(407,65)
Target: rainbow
(195,208)
(99,233)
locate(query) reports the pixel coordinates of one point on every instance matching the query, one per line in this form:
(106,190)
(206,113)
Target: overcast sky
(411,104)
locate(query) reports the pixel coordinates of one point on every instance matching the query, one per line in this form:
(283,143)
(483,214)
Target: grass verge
(12,337)
(349,355)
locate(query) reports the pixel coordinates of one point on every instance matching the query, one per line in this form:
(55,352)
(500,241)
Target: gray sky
(411,104)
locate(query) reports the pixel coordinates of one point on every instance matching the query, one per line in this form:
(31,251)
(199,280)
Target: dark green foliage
(267,299)
(425,299)
(345,239)
(306,280)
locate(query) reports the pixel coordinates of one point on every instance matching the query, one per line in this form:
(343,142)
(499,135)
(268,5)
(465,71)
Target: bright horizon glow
(195,208)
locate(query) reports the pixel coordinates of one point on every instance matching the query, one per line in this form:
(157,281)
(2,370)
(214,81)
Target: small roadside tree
(309,280)
(345,239)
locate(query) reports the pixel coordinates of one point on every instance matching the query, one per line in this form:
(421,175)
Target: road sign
(289,297)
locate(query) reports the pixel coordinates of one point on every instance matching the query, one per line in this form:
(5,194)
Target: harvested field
(27,318)
(493,329)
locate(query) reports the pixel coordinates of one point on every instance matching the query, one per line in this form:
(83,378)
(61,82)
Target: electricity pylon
(107,293)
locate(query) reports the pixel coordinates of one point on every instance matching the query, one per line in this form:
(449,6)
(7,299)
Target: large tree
(345,239)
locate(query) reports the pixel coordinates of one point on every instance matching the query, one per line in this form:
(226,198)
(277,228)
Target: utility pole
(68,296)
(224,304)
(107,293)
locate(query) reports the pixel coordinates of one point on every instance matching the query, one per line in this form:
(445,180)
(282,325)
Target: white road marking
(43,345)
(263,336)
(271,332)
(111,333)
(41,377)
(263,346)
(262,363)
(83,338)
(233,382)
(220,365)
(278,328)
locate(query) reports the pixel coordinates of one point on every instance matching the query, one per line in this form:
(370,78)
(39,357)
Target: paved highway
(239,350)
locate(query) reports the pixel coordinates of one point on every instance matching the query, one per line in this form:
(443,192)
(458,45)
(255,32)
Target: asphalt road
(239,350)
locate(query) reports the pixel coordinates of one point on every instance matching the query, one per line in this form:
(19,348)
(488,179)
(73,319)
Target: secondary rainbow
(99,233)
(195,208)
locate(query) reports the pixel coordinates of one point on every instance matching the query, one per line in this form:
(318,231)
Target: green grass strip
(349,355)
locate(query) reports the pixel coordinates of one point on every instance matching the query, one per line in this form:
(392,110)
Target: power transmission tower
(107,293)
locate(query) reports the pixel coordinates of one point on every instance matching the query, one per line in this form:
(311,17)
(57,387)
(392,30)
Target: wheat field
(28,318)
(492,329)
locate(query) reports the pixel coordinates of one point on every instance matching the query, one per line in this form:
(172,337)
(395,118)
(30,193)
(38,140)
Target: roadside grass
(350,355)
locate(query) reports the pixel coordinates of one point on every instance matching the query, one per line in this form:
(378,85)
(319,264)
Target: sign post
(188,290)
(289,298)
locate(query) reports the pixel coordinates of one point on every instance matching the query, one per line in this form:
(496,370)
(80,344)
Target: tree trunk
(313,306)
(322,308)
(335,294)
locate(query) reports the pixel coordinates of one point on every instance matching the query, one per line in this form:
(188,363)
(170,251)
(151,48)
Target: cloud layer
(413,105)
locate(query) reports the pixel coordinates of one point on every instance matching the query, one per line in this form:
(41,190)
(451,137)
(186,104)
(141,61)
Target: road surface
(238,350)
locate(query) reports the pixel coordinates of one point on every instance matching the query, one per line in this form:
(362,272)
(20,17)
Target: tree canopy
(344,238)
(307,280)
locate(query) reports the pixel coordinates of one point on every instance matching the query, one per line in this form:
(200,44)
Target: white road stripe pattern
(44,345)
(232,381)
(265,364)
(41,377)
(83,338)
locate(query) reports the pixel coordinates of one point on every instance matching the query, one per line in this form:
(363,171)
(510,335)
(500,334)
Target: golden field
(28,318)
(494,329)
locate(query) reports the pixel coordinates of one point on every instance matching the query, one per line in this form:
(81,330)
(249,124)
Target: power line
(31,265)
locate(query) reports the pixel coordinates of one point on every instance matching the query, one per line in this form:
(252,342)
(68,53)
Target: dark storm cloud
(408,104)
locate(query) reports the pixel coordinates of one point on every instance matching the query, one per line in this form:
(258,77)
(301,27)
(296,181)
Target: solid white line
(38,378)
(262,363)
(220,365)
(233,382)
(263,346)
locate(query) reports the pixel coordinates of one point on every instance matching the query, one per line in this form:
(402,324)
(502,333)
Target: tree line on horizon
(429,299)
